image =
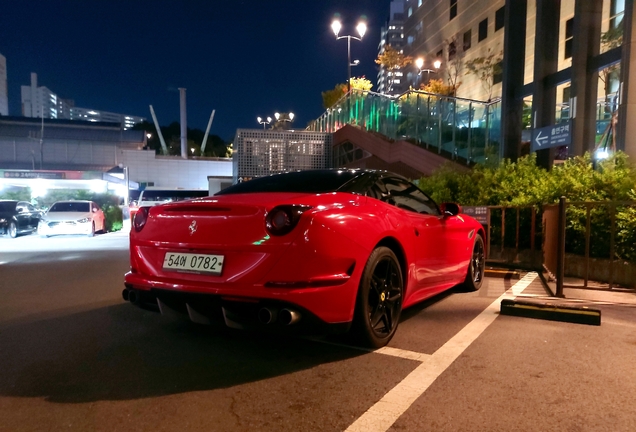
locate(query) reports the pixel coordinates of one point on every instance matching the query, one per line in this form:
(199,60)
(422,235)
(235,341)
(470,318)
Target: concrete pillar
(626,134)
(184,123)
(584,90)
(513,68)
(546,62)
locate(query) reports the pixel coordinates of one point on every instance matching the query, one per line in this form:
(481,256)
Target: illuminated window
(617,10)
(410,11)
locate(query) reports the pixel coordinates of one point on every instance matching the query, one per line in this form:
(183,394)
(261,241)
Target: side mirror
(450,209)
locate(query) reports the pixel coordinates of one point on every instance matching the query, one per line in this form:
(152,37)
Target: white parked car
(72,217)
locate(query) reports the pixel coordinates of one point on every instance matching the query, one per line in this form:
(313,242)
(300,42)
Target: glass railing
(462,129)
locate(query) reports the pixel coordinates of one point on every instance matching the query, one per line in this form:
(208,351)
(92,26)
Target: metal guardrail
(612,258)
(538,239)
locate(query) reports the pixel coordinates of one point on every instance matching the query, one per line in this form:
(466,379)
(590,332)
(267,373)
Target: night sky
(242,58)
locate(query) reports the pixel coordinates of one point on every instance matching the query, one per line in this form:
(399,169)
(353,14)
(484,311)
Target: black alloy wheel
(379,302)
(476,266)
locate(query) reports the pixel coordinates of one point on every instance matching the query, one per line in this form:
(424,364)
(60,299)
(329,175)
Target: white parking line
(405,354)
(381,416)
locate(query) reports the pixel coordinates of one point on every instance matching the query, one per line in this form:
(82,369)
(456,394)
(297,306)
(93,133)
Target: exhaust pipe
(133,296)
(125,293)
(267,316)
(288,316)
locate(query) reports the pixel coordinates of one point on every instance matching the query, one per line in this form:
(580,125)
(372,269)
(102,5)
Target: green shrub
(523,183)
(22,194)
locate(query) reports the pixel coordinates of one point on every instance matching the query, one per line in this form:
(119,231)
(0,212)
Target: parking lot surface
(76,357)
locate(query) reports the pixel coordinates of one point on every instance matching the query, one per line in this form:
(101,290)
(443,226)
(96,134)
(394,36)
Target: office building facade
(459,32)
(40,102)
(392,82)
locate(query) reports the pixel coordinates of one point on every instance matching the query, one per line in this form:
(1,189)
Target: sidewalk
(595,293)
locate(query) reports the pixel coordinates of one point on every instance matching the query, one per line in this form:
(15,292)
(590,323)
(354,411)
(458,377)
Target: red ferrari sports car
(344,249)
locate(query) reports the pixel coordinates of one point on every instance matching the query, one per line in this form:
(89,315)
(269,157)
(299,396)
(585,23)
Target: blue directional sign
(551,136)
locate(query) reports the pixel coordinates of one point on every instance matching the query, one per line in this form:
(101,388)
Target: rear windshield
(171,195)
(71,207)
(315,181)
(7,206)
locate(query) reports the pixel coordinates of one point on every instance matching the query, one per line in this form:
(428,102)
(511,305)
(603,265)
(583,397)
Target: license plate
(202,263)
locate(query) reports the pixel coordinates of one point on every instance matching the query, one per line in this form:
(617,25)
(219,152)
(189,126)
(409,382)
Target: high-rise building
(392,81)
(41,102)
(4,95)
(87,114)
(458,32)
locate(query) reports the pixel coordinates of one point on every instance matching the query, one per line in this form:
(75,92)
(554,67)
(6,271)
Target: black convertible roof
(309,181)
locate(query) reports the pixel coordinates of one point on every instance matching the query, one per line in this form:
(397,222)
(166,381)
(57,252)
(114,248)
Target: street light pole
(282,119)
(362,29)
(348,63)
(263,122)
(420,63)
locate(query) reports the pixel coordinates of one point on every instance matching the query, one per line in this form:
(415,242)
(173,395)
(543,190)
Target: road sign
(478,212)
(551,136)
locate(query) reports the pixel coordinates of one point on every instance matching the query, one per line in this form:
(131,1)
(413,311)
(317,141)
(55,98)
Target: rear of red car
(250,259)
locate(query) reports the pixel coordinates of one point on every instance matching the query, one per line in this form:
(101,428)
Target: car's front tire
(475,273)
(13,230)
(379,301)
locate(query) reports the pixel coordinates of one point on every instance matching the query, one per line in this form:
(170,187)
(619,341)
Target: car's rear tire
(13,230)
(379,301)
(475,273)
(92,231)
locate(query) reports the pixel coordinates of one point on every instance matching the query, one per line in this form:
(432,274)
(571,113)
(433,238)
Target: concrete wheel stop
(551,311)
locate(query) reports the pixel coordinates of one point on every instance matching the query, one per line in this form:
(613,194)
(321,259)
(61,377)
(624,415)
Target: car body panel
(59,221)
(24,215)
(317,266)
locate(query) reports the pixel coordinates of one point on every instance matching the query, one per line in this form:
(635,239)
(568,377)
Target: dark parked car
(18,217)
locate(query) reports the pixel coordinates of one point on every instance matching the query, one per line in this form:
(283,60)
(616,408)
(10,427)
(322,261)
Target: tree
(486,68)
(361,83)
(392,61)
(437,86)
(454,64)
(330,97)
(215,146)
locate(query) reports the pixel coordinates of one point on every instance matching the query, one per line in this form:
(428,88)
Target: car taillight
(140,218)
(282,219)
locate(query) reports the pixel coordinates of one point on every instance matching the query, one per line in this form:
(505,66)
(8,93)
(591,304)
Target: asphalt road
(74,356)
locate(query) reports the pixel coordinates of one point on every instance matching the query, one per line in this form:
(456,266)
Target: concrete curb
(505,274)
(551,311)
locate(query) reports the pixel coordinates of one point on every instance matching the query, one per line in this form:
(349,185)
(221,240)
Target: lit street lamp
(336,26)
(289,118)
(263,122)
(420,63)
